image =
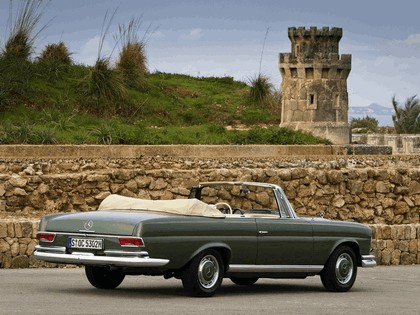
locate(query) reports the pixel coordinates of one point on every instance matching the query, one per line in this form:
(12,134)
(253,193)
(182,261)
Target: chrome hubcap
(344,268)
(208,271)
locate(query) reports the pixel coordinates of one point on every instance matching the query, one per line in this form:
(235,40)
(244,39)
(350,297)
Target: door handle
(262,232)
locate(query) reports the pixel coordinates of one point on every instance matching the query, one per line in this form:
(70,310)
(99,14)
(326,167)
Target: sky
(242,38)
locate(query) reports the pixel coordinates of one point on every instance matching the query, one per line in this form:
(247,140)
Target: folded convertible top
(193,207)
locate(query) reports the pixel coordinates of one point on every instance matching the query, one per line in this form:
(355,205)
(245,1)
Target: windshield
(239,198)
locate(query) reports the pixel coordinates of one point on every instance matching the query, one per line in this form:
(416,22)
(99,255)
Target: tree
(367,123)
(407,118)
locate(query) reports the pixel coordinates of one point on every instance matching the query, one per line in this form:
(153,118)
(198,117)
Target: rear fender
(222,248)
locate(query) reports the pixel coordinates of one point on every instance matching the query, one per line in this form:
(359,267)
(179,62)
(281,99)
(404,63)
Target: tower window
(309,73)
(325,73)
(336,101)
(293,72)
(311,101)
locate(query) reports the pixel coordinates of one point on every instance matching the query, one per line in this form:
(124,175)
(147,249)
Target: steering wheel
(224,204)
(237,210)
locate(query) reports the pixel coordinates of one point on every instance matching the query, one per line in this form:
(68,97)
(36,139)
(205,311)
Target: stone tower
(314,84)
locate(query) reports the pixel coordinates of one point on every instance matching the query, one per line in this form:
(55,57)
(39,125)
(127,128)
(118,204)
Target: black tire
(340,271)
(102,278)
(204,274)
(244,281)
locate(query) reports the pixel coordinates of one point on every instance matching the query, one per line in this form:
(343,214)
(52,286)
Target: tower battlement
(296,32)
(312,42)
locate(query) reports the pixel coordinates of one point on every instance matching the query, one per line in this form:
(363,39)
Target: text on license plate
(88,243)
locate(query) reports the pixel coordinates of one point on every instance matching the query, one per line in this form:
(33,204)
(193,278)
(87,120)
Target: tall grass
(261,89)
(54,61)
(105,85)
(57,52)
(15,66)
(22,36)
(132,61)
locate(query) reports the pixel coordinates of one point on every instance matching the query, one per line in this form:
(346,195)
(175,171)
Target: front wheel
(340,270)
(204,274)
(103,278)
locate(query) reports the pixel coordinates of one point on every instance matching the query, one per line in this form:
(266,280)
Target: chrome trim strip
(123,253)
(368,261)
(54,249)
(275,268)
(90,234)
(90,259)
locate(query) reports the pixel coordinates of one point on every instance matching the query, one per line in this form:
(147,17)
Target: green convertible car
(238,230)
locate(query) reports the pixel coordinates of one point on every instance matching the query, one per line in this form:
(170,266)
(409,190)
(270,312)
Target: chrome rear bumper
(368,261)
(112,258)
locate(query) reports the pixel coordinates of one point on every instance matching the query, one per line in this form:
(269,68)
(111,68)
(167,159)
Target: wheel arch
(223,249)
(354,245)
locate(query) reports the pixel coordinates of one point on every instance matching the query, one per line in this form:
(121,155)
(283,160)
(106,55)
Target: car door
(284,241)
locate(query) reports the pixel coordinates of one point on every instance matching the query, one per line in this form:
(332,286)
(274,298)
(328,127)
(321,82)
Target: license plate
(88,243)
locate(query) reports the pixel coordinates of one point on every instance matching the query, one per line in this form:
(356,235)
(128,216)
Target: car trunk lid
(98,222)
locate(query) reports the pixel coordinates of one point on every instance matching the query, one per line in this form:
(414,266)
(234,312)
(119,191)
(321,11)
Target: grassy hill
(46,103)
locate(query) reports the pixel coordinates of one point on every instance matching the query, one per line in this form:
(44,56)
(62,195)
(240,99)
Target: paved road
(382,290)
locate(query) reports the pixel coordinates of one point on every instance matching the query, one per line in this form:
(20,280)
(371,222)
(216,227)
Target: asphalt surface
(380,290)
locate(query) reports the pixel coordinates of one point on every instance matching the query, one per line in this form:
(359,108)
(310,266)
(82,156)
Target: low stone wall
(401,144)
(392,245)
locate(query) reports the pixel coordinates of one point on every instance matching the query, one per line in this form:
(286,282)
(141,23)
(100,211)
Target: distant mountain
(381,113)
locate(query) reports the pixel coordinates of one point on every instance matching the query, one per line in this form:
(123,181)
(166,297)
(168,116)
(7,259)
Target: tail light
(45,237)
(131,241)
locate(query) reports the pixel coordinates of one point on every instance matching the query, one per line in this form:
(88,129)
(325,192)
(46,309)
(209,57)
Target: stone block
(396,257)
(4,246)
(20,261)
(18,229)
(413,246)
(386,232)
(3,229)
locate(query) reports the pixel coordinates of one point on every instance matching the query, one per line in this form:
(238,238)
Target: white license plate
(88,243)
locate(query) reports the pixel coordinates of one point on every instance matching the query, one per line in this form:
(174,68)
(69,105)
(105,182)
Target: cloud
(413,39)
(157,35)
(194,34)
(89,50)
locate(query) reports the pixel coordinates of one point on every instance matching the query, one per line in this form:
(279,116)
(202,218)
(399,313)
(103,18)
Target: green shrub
(14,81)
(132,57)
(261,89)
(105,85)
(57,53)
(366,124)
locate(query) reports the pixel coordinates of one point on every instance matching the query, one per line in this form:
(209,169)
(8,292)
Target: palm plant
(407,119)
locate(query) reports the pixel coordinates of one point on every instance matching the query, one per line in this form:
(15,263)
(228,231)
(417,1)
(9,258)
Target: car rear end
(100,238)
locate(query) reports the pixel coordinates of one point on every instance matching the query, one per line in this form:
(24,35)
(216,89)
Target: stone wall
(382,191)
(401,144)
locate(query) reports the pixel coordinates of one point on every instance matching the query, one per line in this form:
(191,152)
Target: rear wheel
(340,270)
(102,278)
(204,274)
(244,281)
